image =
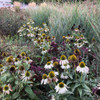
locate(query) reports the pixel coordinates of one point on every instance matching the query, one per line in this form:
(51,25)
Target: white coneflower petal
(44,79)
(26,75)
(7,89)
(53,97)
(65,66)
(17,63)
(56,73)
(63,60)
(64,76)
(61,88)
(82,68)
(49,65)
(44,52)
(28,60)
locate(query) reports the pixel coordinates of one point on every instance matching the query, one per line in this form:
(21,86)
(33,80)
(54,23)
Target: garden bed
(50,53)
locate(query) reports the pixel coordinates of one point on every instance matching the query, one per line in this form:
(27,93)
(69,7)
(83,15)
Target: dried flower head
(9,59)
(16,59)
(12,68)
(27,58)
(43,35)
(51,74)
(1,65)
(73,58)
(55,64)
(23,54)
(77,52)
(93,39)
(1,89)
(63,57)
(4,54)
(21,68)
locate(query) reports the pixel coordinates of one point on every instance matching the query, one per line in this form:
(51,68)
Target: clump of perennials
(15,75)
(68,73)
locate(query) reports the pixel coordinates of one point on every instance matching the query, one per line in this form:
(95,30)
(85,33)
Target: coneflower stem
(75,72)
(81,77)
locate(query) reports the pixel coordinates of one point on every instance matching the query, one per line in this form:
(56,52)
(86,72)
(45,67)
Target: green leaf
(29,82)
(4,77)
(21,86)
(76,85)
(10,79)
(31,94)
(16,82)
(80,91)
(15,95)
(71,77)
(69,82)
(83,77)
(42,59)
(86,87)
(65,99)
(27,66)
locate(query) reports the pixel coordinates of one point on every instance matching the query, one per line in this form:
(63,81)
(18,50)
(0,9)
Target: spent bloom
(77,52)
(23,54)
(55,64)
(9,59)
(12,68)
(1,65)
(72,58)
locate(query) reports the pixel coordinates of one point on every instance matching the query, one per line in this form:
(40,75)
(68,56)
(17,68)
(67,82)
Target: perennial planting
(59,71)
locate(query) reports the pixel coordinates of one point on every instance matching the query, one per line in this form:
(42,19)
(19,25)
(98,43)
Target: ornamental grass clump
(11,21)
